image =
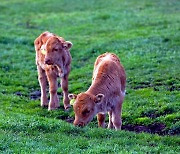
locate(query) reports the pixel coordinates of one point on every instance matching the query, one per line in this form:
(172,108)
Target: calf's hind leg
(64,85)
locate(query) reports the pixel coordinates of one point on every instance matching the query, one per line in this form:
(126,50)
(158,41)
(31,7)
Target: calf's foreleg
(43,85)
(116,116)
(101,120)
(53,86)
(110,124)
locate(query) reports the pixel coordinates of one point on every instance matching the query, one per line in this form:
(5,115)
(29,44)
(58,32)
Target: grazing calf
(106,94)
(53,60)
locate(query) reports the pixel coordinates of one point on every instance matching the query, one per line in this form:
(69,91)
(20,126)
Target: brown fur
(106,94)
(54,63)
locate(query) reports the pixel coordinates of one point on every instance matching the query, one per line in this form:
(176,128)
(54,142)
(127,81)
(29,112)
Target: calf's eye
(55,49)
(86,112)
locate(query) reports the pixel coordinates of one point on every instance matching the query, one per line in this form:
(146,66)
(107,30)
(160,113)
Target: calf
(53,60)
(106,94)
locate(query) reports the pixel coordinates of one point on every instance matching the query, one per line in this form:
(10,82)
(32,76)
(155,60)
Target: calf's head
(85,107)
(55,50)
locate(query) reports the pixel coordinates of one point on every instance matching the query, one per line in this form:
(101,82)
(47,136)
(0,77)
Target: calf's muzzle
(48,62)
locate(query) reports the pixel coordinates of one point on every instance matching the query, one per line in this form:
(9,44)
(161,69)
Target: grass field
(145,34)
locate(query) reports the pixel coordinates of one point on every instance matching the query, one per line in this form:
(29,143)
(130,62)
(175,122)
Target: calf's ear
(37,44)
(67,44)
(99,98)
(72,96)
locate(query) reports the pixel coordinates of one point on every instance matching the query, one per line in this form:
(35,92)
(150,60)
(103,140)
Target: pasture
(144,34)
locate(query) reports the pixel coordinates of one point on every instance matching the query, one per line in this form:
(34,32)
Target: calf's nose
(80,124)
(48,61)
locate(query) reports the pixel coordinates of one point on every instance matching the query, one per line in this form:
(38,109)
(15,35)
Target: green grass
(144,34)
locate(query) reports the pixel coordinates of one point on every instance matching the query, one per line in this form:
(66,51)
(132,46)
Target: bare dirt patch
(156,128)
(35,95)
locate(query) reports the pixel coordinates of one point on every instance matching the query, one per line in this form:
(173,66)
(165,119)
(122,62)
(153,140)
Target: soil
(18,93)
(156,128)
(35,95)
(69,120)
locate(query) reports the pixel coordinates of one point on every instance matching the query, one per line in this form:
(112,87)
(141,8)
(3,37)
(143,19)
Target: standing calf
(53,60)
(106,94)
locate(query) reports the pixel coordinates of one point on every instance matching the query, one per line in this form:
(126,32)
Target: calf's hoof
(52,108)
(44,106)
